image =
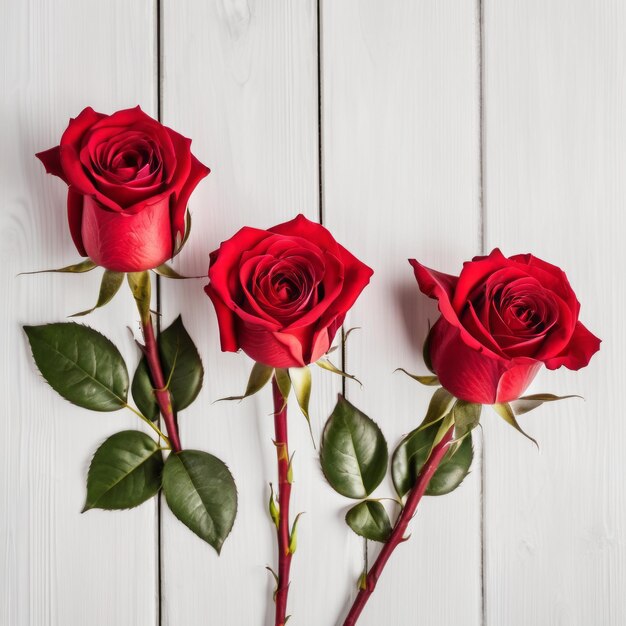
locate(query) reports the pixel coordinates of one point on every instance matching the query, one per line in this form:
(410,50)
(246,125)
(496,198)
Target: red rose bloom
(129,180)
(281,294)
(501,319)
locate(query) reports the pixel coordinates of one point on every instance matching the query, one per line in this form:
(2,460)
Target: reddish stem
(397,535)
(284,494)
(162,395)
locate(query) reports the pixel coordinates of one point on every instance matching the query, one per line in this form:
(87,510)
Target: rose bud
(129,180)
(281,294)
(501,320)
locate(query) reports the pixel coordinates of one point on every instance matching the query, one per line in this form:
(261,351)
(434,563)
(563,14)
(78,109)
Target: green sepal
(354,453)
(140,287)
(293,536)
(259,377)
(528,403)
(167,271)
(125,471)
(273,509)
(180,242)
(182,369)
(413,451)
(284,383)
(505,411)
(301,382)
(80,364)
(201,492)
(76,268)
(325,364)
(110,285)
(429,381)
(369,519)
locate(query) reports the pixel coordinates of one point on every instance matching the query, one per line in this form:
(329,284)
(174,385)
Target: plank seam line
(482,229)
(159,513)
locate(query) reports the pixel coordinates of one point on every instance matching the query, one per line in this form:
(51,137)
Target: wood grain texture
(241,79)
(58,567)
(401,179)
(554,184)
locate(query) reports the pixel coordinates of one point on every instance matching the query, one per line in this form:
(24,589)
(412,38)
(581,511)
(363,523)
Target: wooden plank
(59,567)
(241,79)
(401,179)
(555,150)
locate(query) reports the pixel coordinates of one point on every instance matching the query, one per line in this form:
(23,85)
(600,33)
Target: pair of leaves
(354,458)
(181,365)
(413,451)
(85,367)
(444,411)
(128,469)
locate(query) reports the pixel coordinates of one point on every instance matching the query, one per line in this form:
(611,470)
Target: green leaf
(80,364)
(140,286)
(528,403)
(439,406)
(429,381)
(77,268)
(466,417)
(505,411)
(201,492)
(181,363)
(110,285)
(143,391)
(325,364)
(182,367)
(354,452)
(259,377)
(413,451)
(126,470)
(370,520)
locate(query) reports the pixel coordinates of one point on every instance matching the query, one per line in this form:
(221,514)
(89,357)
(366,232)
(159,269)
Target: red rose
(501,319)
(281,294)
(129,180)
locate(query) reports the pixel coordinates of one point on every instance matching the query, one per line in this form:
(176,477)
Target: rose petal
(179,204)
(270,348)
(51,160)
(226,321)
(582,346)
(75,218)
(476,376)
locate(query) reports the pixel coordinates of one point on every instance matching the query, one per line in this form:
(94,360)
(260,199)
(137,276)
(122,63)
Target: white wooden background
(428,128)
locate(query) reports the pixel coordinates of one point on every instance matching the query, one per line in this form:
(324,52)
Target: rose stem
(162,394)
(397,535)
(284,494)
